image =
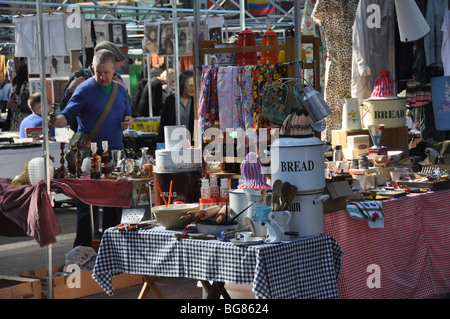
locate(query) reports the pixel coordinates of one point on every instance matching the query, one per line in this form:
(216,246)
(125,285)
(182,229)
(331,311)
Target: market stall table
(304,268)
(14,156)
(26,210)
(408,258)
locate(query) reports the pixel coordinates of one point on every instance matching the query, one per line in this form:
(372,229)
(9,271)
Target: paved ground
(24,254)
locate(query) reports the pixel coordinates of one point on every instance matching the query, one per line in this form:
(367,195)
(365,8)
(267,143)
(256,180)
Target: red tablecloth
(411,253)
(27,210)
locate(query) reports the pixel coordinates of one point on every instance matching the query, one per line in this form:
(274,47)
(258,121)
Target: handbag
(82,142)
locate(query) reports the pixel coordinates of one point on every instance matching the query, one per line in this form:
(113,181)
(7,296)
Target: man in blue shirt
(35,118)
(86,105)
(5,92)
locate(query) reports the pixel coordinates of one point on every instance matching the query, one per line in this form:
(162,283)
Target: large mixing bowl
(169,217)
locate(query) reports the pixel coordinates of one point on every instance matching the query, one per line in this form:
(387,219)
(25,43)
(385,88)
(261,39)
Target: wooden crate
(88,286)
(394,138)
(19,288)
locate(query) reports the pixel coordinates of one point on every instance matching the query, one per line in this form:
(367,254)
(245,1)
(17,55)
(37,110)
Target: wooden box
(19,288)
(394,138)
(88,286)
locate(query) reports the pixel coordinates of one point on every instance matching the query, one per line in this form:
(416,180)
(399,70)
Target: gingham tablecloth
(304,268)
(409,258)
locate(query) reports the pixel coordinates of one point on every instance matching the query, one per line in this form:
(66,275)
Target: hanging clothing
(244,99)
(337,18)
(309,27)
(25,35)
(445,53)
(56,34)
(207,105)
(417,94)
(26,42)
(373,45)
(419,69)
(226,98)
(433,40)
(262,75)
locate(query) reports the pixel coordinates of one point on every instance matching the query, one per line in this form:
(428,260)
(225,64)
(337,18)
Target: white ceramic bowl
(169,217)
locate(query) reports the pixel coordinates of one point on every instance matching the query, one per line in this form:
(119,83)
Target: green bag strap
(105,112)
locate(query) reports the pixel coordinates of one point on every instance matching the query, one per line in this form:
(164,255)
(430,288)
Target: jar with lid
(337,154)
(354,164)
(246,38)
(269,57)
(363,162)
(213,187)
(224,188)
(205,190)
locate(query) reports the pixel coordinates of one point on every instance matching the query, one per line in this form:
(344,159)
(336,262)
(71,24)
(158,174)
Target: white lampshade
(411,22)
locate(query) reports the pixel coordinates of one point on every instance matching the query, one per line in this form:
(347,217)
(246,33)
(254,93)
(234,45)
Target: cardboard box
(358,142)
(88,286)
(394,138)
(19,288)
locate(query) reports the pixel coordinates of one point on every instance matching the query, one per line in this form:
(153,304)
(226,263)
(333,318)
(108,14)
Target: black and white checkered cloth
(303,268)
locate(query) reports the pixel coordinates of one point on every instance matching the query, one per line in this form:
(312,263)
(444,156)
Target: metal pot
(239,200)
(390,111)
(307,214)
(299,161)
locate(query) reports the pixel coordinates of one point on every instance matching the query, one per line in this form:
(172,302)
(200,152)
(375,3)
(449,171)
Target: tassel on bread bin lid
(253,174)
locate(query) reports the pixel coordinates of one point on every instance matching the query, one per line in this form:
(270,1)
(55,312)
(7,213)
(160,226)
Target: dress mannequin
(337,18)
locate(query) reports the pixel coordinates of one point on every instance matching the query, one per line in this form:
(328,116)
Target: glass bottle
(205,190)
(214,187)
(224,188)
(106,160)
(95,170)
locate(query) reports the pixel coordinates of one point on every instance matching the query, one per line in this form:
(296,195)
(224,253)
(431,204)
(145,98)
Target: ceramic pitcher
(351,118)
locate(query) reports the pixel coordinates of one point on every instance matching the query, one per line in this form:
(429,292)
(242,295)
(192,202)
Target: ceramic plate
(250,241)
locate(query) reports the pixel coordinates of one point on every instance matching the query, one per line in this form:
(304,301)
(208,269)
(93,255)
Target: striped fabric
(260,7)
(410,253)
(253,174)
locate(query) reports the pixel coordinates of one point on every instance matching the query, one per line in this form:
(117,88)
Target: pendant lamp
(411,22)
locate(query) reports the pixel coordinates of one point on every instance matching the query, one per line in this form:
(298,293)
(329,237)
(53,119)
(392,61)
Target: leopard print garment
(336,17)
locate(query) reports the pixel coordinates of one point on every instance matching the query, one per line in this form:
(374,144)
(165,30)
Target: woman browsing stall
(169,113)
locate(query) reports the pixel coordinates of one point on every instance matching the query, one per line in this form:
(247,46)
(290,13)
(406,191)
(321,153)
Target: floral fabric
(208,101)
(309,27)
(229,113)
(244,98)
(262,75)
